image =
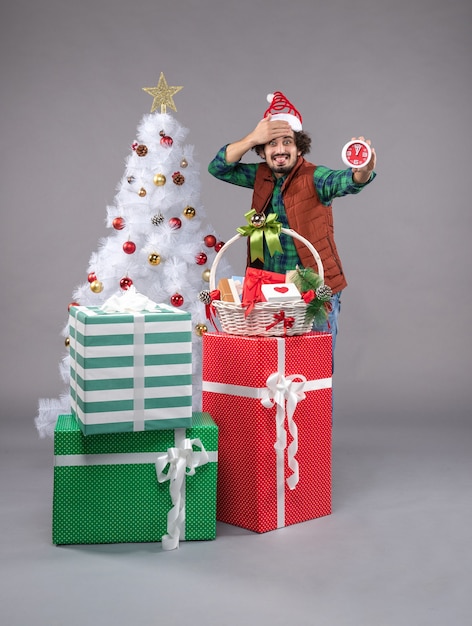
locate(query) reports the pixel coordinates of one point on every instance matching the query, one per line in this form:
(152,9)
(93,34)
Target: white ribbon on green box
(180,461)
(130,370)
(285,392)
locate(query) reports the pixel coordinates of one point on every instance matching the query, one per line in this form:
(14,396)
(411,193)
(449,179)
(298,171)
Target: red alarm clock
(356,153)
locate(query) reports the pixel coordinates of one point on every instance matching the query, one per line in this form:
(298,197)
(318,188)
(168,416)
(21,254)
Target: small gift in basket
(280,292)
(254,281)
(253,316)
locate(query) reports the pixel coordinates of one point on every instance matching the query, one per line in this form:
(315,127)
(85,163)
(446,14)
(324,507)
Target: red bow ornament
(210,308)
(279,317)
(308,296)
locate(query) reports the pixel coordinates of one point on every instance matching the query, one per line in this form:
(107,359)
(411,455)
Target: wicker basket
(260,320)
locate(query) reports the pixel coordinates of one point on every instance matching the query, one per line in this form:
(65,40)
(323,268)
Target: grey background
(397,72)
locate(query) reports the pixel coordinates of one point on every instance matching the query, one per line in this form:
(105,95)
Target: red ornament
(129,247)
(72,304)
(118,223)
(175,223)
(210,241)
(219,245)
(177,300)
(125,283)
(166,140)
(91,277)
(201,258)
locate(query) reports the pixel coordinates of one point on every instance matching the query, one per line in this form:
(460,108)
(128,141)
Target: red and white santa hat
(282,109)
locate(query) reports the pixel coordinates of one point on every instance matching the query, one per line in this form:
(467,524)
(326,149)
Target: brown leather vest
(306,216)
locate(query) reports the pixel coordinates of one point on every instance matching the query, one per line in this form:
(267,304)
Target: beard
(282,168)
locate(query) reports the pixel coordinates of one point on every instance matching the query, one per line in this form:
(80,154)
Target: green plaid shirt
(329,184)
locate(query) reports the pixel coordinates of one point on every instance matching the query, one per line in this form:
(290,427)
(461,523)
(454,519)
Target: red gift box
(271,400)
(252,286)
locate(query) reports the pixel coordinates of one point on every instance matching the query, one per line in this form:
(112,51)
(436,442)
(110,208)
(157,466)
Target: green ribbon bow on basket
(258,227)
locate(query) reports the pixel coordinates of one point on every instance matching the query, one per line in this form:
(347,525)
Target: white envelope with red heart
(280,292)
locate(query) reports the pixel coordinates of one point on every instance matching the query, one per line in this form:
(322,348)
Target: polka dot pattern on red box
(247,476)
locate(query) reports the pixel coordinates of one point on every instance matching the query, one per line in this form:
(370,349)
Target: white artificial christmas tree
(160,243)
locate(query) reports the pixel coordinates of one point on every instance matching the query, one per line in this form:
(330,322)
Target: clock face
(356,154)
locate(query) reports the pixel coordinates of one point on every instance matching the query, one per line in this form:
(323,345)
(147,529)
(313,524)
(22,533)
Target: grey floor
(396,550)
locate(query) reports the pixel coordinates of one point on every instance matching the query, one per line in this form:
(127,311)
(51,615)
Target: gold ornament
(67,342)
(162,94)
(96,286)
(142,192)
(189,212)
(206,275)
(258,220)
(184,162)
(159,180)
(154,258)
(201,329)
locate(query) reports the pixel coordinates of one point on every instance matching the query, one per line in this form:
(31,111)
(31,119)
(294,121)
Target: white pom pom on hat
(282,109)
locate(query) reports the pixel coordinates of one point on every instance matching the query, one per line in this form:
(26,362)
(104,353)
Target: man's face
(281,154)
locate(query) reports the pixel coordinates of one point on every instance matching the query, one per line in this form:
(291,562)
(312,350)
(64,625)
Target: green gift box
(130,371)
(135,487)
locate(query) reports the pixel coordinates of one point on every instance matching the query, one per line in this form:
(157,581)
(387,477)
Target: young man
(298,192)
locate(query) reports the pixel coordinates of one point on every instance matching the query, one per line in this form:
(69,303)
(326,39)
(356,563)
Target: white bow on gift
(281,389)
(130,301)
(182,462)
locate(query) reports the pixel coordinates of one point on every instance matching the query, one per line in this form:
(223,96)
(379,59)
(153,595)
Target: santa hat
(282,109)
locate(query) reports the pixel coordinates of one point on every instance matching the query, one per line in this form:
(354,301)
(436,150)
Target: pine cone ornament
(157,219)
(204,296)
(178,178)
(324,293)
(141,150)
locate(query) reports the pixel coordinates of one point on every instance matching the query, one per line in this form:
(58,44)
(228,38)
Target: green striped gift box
(130,371)
(106,488)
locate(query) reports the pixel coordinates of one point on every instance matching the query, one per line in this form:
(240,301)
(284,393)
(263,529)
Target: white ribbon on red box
(285,392)
(281,390)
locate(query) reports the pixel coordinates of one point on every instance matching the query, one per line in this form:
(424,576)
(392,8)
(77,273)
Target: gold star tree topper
(162,94)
